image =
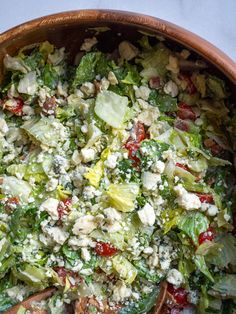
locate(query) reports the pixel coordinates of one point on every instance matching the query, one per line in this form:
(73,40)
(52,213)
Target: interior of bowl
(69,30)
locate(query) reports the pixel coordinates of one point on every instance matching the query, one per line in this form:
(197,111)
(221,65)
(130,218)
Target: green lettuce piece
(151,150)
(124,268)
(199,164)
(32,275)
(31,170)
(142,306)
(132,76)
(65,113)
(50,76)
(215,161)
(28,84)
(165,103)
(6,265)
(45,131)
(122,196)
(86,70)
(156,60)
(225,287)
(115,238)
(15,64)
(216,87)
(202,266)
(144,271)
(16,188)
(192,224)
(4,248)
(22,310)
(111,108)
(191,139)
(227,255)
(209,249)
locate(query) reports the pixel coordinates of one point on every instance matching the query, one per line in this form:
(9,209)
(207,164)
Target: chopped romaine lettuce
(111,108)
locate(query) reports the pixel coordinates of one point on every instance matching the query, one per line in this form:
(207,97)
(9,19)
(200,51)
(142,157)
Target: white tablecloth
(214,20)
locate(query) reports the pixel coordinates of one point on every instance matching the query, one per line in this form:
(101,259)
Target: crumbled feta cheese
(150,180)
(121,291)
(127,51)
(111,161)
(171,89)
(90,192)
(148,250)
(112,78)
(50,206)
(158,166)
(212,210)
(153,260)
(88,88)
(84,128)
(113,227)
(104,84)
(112,214)
(3,126)
(165,264)
(57,234)
(85,225)
(85,254)
(142,92)
(173,64)
(88,154)
(80,241)
(147,215)
(51,184)
(227,217)
(174,277)
(149,115)
(88,44)
(188,201)
(76,158)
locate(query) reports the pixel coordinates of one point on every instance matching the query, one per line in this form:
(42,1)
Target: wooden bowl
(68,29)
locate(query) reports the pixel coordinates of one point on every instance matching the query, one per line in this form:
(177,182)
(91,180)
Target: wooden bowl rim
(153,24)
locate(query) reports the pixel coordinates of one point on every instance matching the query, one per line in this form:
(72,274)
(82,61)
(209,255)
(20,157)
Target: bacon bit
(207,235)
(11,203)
(186,112)
(205,198)
(191,89)
(215,148)
(179,294)
(14,105)
(182,166)
(49,106)
(155,82)
(105,249)
(64,207)
(182,125)
(64,274)
(138,134)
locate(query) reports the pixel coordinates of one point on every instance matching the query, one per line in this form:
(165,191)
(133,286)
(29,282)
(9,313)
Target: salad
(116,183)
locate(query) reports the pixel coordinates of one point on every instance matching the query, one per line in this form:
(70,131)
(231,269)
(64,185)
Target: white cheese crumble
(121,291)
(85,254)
(56,234)
(50,206)
(150,180)
(85,225)
(88,88)
(186,200)
(88,44)
(142,92)
(174,277)
(51,184)
(147,215)
(3,126)
(111,161)
(112,78)
(171,89)
(158,166)
(88,154)
(211,209)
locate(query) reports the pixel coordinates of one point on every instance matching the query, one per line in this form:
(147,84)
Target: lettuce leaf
(193,224)
(165,103)
(227,255)
(111,108)
(45,131)
(122,196)
(225,287)
(202,266)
